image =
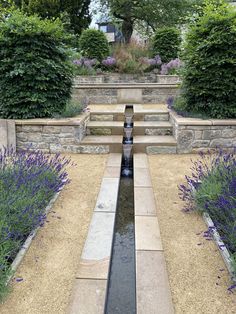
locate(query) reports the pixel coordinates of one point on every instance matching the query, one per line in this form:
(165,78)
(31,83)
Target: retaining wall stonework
(127,78)
(51,136)
(113,94)
(194,135)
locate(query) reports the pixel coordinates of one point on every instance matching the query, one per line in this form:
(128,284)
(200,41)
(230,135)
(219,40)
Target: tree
(155,13)
(76,10)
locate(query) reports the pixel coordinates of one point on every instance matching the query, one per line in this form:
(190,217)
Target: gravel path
(48,269)
(195,266)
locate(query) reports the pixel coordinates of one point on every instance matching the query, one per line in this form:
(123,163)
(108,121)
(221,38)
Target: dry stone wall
(51,136)
(194,135)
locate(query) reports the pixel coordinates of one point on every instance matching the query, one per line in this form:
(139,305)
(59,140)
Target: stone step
(101,112)
(155,112)
(155,144)
(102,144)
(152,128)
(105,128)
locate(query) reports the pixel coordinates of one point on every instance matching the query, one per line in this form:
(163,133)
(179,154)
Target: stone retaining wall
(51,136)
(194,135)
(113,94)
(127,78)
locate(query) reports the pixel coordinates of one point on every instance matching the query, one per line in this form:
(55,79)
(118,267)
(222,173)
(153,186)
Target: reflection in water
(121,297)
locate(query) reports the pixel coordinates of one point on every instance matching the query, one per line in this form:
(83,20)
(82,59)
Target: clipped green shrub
(209,81)
(166,43)
(94,44)
(35,73)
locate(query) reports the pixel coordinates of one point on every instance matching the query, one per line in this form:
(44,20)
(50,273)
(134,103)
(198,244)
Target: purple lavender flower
(156,61)
(170,66)
(85,62)
(28,181)
(109,62)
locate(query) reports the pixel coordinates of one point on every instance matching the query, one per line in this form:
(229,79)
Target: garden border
(220,244)
(26,245)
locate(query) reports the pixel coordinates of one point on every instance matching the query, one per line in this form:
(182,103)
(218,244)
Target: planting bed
(199,279)
(49,267)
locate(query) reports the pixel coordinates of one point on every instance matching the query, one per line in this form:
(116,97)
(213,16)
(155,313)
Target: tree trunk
(127,29)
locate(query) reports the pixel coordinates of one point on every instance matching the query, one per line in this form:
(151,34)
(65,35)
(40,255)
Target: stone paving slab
(155,108)
(107,198)
(144,202)
(163,140)
(99,240)
(142,177)
(112,172)
(147,234)
(103,108)
(111,139)
(153,291)
(93,269)
(89,297)
(140,161)
(114,160)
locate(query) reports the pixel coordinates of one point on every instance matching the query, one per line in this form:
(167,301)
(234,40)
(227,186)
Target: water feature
(121,292)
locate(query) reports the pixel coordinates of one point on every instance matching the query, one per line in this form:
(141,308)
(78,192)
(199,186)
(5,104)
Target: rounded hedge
(166,43)
(209,82)
(94,44)
(35,73)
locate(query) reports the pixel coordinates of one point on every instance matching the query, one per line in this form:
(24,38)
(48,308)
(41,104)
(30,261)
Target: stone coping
(124,74)
(195,121)
(66,121)
(124,86)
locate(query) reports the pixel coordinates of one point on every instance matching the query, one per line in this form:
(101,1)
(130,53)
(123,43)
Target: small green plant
(72,109)
(35,72)
(94,44)
(166,43)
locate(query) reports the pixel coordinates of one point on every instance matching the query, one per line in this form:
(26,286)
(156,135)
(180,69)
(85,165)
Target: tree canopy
(77,11)
(154,13)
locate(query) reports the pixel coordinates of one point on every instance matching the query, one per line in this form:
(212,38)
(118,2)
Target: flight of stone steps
(152,132)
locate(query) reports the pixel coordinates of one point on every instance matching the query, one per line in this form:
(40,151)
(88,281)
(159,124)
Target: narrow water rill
(121,292)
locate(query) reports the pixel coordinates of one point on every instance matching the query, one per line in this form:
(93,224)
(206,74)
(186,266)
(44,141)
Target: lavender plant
(109,62)
(171,67)
(27,183)
(85,66)
(154,62)
(212,189)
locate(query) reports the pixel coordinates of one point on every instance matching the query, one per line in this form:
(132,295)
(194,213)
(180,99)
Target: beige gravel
(48,269)
(197,284)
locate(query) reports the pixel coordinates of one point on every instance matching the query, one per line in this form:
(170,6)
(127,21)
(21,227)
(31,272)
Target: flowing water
(121,293)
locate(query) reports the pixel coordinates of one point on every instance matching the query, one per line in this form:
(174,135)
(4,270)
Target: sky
(94,6)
